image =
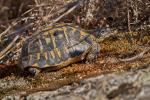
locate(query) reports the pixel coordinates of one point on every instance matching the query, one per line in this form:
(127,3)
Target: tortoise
(59,45)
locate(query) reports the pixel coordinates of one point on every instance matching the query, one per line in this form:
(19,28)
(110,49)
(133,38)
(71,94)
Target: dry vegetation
(23,17)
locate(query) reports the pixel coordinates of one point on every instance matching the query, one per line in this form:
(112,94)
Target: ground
(74,80)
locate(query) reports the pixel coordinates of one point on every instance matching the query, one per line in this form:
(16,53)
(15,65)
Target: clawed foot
(34,71)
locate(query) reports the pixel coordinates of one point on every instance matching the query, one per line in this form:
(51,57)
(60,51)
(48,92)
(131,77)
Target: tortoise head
(101,33)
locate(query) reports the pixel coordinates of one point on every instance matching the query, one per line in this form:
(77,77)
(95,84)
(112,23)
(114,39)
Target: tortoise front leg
(34,71)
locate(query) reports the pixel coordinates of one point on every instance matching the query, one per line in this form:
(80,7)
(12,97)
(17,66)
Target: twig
(37,2)
(20,9)
(34,7)
(64,8)
(58,18)
(140,55)
(7,49)
(15,22)
(5,32)
(20,30)
(66,13)
(28,11)
(128,16)
(1,58)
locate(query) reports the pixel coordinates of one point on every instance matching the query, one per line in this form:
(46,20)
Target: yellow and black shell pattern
(55,47)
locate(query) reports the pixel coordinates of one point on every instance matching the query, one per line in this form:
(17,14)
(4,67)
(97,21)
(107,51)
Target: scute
(73,35)
(32,59)
(64,53)
(55,45)
(50,60)
(60,39)
(42,61)
(49,43)
(34,47)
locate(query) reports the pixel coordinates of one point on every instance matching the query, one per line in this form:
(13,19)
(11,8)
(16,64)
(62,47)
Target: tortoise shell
(55,47)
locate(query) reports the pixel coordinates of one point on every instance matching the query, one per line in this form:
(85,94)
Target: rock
(5,84)
(132,85)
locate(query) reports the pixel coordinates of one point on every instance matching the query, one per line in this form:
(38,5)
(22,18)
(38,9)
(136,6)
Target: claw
(34,71)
